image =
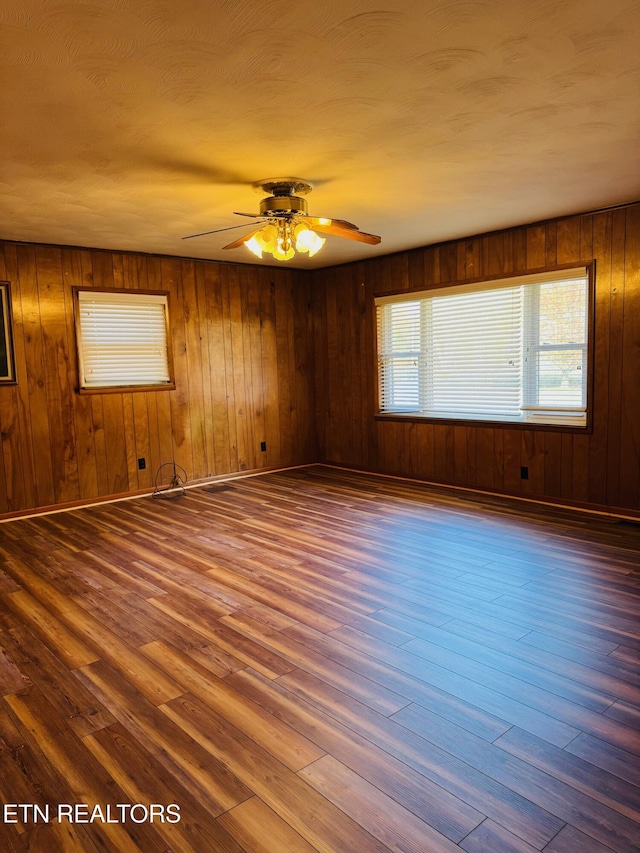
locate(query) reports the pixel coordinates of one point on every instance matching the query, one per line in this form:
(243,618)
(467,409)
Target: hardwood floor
(320,660)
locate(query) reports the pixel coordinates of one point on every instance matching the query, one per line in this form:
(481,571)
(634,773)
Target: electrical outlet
(524,473)
(263,446)
(142,463)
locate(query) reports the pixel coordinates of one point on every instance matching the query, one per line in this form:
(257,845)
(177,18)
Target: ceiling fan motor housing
(283,206)
(283,200)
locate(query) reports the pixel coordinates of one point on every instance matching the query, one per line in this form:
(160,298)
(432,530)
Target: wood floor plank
(258,829)
(208,780)
(11,679)
(598,784)
(64,642)
(220,635)
(384,818)
(616,760)
(75,769)
(107,645)
(552,793)
(24,777)
(452,797)
(593,670)
(626,713)
(571,840)
(321,659)
(275,595)
(146,780)
(314,818)
(410,677)
(493,664)
(355,683)
(491,836)
(530,696)
(44,669)
(293,750)
(56,838)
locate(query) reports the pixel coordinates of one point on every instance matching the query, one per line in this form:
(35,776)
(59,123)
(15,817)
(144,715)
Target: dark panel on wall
(243,355)
(602,468)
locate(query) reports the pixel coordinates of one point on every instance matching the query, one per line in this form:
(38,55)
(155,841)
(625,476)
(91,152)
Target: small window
(513,350)
(123,340)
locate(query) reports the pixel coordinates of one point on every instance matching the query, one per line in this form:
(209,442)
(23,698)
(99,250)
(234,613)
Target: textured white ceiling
(128,124)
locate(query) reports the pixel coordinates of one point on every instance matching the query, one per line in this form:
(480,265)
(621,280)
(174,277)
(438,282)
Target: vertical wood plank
(269,367)
(586,238)
(182,447)
(251,361)
(630,378)
(616,348)
(448,263)
(36,377)
(602,224)
(229,293)
(17,462)
(553,446)
(520,250)
(426,451)
(194,391)
(512,461)
(131,449)
(283,342)
(204,330)
(460,466)
(551,244)
(485,458)
(566,472)
(58,381)
(78,272)
(568,241)
(536,253)
(304,369)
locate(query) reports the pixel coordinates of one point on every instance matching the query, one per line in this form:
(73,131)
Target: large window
(513,350)
(123,339)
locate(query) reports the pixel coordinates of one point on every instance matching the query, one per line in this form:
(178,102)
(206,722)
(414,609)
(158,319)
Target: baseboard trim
(574,506)
(143,493)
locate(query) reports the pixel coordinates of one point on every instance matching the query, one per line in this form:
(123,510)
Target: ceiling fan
(283,225)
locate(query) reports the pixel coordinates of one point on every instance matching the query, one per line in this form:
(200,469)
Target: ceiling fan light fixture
(307,240)
(254,245)
(265,240)
(283,252)
(283,239)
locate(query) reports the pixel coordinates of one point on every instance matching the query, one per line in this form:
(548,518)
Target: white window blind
(511,350)
(122,339)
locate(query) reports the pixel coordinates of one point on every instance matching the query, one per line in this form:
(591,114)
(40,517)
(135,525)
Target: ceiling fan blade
(244,238)
(321,220)
(218,230)
(252,215)
(349,234)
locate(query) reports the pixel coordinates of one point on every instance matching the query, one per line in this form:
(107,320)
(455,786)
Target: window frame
(505,280)
(124,388)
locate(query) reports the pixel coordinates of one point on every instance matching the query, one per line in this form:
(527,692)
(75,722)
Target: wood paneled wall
(256,349)
(242,345)
(602,468)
